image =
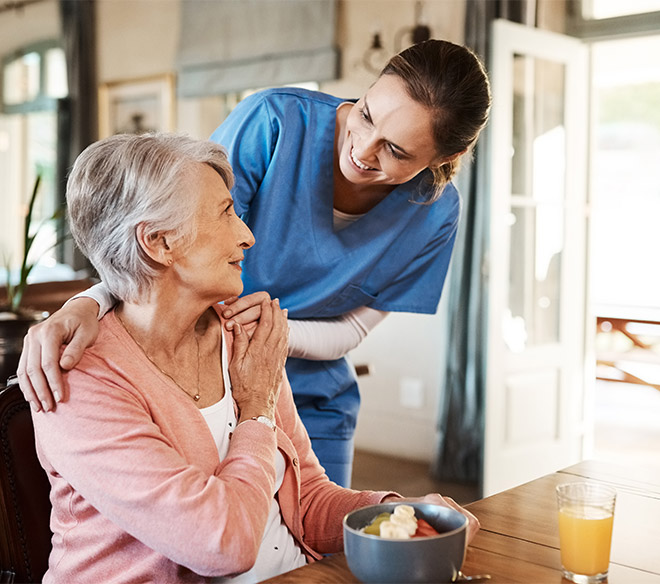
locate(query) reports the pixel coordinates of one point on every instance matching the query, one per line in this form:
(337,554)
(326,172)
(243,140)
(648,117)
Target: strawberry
(424,529)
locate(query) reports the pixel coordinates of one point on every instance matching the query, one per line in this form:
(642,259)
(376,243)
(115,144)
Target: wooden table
(519,540)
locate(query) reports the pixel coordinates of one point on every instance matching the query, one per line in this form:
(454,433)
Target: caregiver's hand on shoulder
(245,310)
(39,374)
(437,499)
(257,364)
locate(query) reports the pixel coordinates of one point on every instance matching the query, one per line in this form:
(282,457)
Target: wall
(136,38)
(31,24)
(358,20)
(400,398)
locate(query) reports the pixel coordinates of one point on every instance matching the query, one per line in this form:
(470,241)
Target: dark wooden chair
(25,536)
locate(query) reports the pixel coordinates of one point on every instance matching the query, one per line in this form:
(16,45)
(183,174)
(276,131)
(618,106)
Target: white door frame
(506,461)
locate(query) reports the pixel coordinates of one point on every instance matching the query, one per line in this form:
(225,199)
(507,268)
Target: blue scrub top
(280,144)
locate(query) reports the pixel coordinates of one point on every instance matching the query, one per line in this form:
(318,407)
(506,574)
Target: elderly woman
(179,455)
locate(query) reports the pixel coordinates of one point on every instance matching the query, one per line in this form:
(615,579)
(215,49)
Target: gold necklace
(197,395)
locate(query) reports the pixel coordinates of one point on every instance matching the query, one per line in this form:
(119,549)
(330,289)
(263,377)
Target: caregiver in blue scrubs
(353,214)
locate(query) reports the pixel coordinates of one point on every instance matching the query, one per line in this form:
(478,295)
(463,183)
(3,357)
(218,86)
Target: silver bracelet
(263,420)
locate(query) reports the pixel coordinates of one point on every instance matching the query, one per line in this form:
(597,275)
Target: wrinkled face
(387,139)
(211,263)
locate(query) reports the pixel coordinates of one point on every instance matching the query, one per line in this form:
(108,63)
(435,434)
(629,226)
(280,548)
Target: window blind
(233,45)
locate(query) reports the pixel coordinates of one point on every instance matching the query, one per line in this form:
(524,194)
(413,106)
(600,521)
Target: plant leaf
(27,240)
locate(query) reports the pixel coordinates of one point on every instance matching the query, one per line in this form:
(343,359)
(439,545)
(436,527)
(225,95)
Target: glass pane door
(537,251)
(537,197)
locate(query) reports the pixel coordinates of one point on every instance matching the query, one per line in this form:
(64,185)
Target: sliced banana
(401,524)
(390,530)
(406,522)
(404,510)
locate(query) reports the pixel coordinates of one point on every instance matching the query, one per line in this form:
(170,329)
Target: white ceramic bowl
(437,558)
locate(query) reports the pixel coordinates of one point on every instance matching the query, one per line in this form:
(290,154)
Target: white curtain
(232,45)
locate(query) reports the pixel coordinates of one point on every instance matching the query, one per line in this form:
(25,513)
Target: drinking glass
(586,517)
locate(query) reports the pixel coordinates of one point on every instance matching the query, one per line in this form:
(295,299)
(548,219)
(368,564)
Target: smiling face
(387,137)
(210,264)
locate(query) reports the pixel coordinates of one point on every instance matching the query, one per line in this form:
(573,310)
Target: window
(625,175)
(625,200)
(33,81)
(33,78)
(598,9)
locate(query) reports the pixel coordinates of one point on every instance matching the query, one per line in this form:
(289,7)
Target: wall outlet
(411,393)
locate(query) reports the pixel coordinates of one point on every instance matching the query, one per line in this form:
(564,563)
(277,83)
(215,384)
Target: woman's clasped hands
(257,365)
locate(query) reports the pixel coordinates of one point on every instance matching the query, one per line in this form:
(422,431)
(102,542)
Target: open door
(535,406)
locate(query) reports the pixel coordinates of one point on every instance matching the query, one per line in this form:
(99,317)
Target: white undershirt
(323,339)
(341,220)
(279,551)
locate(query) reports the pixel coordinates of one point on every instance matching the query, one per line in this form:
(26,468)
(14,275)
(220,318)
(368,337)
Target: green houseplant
(16,319)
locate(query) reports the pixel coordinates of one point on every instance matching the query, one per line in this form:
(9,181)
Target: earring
(170,262)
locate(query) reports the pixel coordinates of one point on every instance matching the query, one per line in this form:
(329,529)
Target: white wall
(31,24)
(359,19)
(395,418)
(136,38)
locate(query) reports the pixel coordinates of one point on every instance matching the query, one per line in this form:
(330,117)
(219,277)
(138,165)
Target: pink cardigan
(138,491)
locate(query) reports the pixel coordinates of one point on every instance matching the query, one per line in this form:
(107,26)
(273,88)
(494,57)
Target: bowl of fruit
(405,542)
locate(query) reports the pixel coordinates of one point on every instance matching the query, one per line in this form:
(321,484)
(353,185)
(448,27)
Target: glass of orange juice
(586,517)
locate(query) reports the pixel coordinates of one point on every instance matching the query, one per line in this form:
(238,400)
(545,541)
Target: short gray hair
(124,180)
